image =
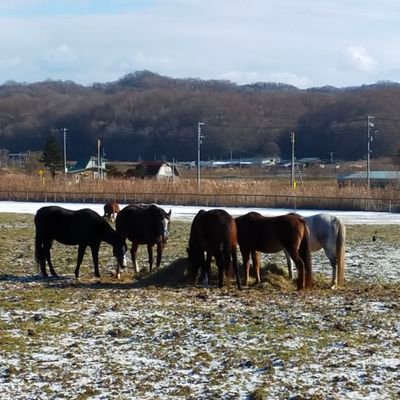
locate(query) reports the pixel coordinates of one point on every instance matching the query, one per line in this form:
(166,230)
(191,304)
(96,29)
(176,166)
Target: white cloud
(299,43)
(60,57)
(10,62)
(360,59)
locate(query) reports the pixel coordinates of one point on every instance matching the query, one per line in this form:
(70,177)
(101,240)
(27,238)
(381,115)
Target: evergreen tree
(52,156)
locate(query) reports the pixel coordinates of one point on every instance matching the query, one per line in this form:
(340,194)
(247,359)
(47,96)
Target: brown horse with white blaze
(111,209)
(273,234)
(213,233)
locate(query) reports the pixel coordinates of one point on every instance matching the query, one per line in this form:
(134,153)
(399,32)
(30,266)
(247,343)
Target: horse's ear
(169,214)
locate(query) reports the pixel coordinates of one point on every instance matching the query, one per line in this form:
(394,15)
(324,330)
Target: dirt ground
(157,336)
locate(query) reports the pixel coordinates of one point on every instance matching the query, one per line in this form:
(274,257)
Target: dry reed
(266,186)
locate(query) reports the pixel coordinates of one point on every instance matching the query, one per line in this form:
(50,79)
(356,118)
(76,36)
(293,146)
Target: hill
(148,116)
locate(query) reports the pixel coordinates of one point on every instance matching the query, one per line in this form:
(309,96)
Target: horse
(213,232)
(144,224)
(272,234)
(329,233)
(111,209)
(83,228)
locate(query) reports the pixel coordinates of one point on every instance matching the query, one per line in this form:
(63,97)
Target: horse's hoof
(118,276)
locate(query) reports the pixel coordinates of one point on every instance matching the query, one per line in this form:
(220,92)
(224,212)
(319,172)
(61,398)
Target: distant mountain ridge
(148,116)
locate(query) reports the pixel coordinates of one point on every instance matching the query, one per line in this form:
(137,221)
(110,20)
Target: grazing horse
(144,224)
(273,234)
(213,232)
(111,209)
(83,228)
(329,233)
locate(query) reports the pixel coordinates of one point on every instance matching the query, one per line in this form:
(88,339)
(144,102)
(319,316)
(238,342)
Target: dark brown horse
(83,228)
(111,209)
(144,224)
(214,233)
(272,234)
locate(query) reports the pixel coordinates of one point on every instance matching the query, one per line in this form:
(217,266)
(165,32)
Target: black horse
(144,224)
(83,228)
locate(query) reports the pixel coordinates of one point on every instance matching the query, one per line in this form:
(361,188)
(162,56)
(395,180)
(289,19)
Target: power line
(251,127)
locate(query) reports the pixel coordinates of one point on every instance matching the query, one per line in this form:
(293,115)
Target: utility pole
(98,159)
(292,176)
(370,125)
(64,131)
(199,143)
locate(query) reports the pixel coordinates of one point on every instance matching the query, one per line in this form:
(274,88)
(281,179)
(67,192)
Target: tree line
(147,116)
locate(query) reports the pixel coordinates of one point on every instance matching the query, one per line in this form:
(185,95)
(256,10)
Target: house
(91,169)
(377,178)
(145,169)
(155,169)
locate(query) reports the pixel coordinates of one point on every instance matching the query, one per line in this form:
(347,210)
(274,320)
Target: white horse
(329,233)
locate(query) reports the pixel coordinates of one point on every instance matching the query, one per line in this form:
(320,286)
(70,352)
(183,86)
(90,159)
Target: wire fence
(211,200)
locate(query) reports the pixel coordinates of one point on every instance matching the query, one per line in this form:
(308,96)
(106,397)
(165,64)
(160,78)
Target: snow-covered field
(185,213)
(118,340)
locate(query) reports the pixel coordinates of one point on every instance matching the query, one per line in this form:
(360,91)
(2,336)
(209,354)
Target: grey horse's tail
(340,252)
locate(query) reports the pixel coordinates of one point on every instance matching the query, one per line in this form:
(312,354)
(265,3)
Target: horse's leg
(150,252)
(289,264)
(246,265)
(301,270)
(81,252)
(333,260)
(160,248)
(205,275)
(134,249)
(236,267)
(255,259)
(47,255)
(95,255)
(44,254)
(219,260)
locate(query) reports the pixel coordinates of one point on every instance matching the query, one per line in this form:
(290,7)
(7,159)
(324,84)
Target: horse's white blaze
(165,222)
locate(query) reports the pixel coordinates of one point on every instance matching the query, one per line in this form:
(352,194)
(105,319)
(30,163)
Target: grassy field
(160,337)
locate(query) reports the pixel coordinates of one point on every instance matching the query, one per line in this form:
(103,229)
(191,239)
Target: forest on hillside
(147,116)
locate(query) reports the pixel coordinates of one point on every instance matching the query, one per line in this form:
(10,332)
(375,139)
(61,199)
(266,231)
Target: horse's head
(165,219)
(196,260)
(119,250)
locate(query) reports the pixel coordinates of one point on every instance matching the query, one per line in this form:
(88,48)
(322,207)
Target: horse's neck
(109,235)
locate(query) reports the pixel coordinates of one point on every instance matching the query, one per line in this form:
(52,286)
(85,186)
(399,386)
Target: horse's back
(141,222)
(269,234)
(68,226)
(324,229)
(212,228)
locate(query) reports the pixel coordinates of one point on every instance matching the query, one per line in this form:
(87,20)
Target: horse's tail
(340,252)
(305,255)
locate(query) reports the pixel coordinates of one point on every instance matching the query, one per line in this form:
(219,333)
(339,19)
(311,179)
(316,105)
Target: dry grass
(247,186)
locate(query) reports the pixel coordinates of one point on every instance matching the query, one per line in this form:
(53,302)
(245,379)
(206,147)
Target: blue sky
(305,43)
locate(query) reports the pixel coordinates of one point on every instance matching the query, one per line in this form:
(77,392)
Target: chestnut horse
(144,224)
(272,234)
(213,232)
(83,228)
(111,209)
